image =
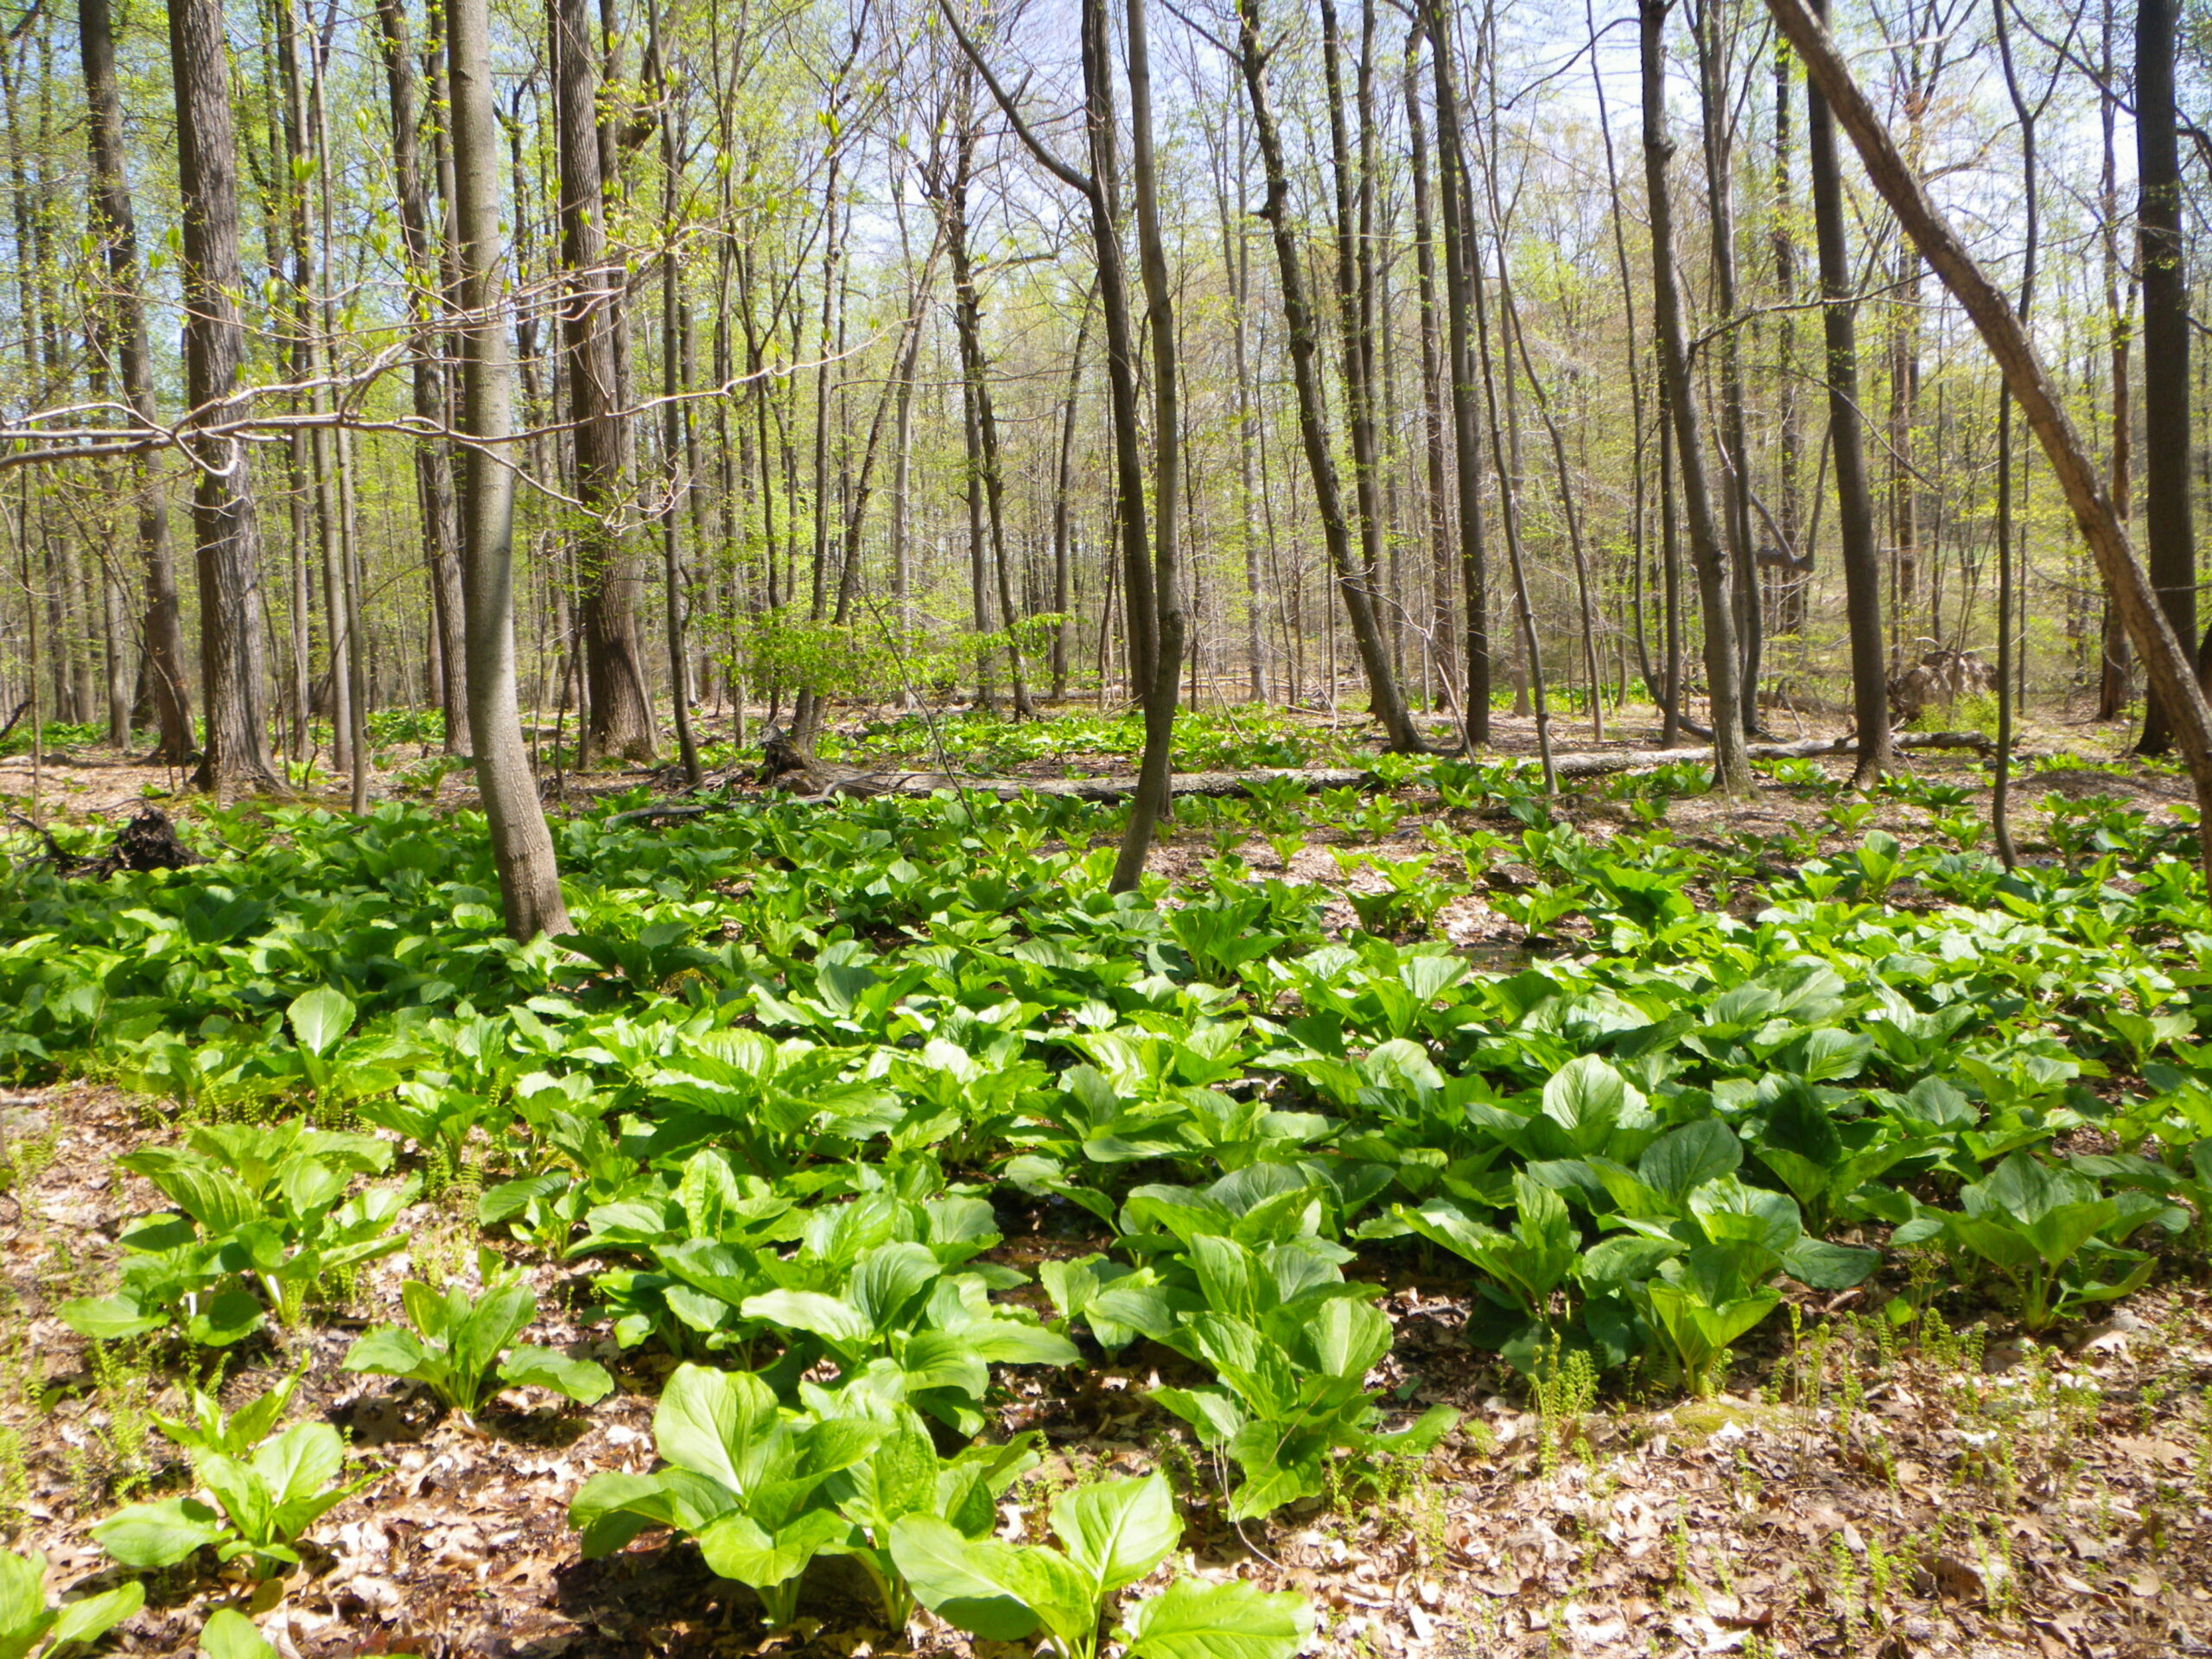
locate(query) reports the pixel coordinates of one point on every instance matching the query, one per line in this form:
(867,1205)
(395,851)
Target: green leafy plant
(1290,1343)
(460,1343)
(2049,1234)
(254,1508)
(743,1476)
(261,1214)
(1111,1535)
(903,1476)
(31,1629)
(207,1428)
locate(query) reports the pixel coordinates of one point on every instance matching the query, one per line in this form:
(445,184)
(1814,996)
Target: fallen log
(845,782)
(1600,765)
(827,782)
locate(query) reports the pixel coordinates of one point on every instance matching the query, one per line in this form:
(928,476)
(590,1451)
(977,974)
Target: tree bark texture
(234,671)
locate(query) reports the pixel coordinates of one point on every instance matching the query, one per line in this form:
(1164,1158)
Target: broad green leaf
(387,1351)
(810,1310)
(1190,1620)
(300,1464)
(1587,1097)
(735,1546)
(1117,1530)
(109,1319)
(716,1423)
(581,1380)
(1826,1266)
(885,1281)
(158,1535)
(1683,1159)
(1015,1342)
(22,1602)
(229,1634)
(971,1584)
(320,1019)
(90,1618)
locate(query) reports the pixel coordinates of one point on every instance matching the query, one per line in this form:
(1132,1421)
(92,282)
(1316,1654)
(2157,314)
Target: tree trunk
(236,752)
(1312,419)
(1731,770)
(987,488)
(2166,658)
(1154,777)
(2111,653)
(1862,558)
(2007,564)
(2168,526)
(522,848)
(1436,447)
(1790,613)
(1715,98)
(1152,602)
(433,455)
(1063,528)
(124,319)
(673,458)
(1457,201)
(622,709)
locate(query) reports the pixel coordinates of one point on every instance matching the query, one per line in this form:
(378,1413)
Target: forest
(1207,831)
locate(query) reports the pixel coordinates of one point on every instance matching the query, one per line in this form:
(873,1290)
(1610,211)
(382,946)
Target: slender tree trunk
(125,317)
(354,642)
(987,488)
(1351,577)
(672,388)
(1670,555)
(1862,558)
(2120,318)
(2007,556)
(1732,768)
(1790,440)
(622,709)
(1716,102)
(433,455)
(1436,446)
(1457,215)
(2168,527)
(1154,777)
(522,848)
(1152,601)
(1062,527)
(235,755)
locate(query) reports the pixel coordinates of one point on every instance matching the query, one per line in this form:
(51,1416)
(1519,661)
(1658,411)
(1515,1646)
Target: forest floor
(1952,1489)
(1980,1493)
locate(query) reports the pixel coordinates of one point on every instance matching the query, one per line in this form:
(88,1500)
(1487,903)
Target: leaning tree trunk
(1732,768)
(621,710)
(2166,658)
(433,454)
(1855,501)
(233,669)
(522,848)
(125,317)
(2168,530)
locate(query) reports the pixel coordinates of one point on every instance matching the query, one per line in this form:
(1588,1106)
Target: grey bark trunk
(522,848)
